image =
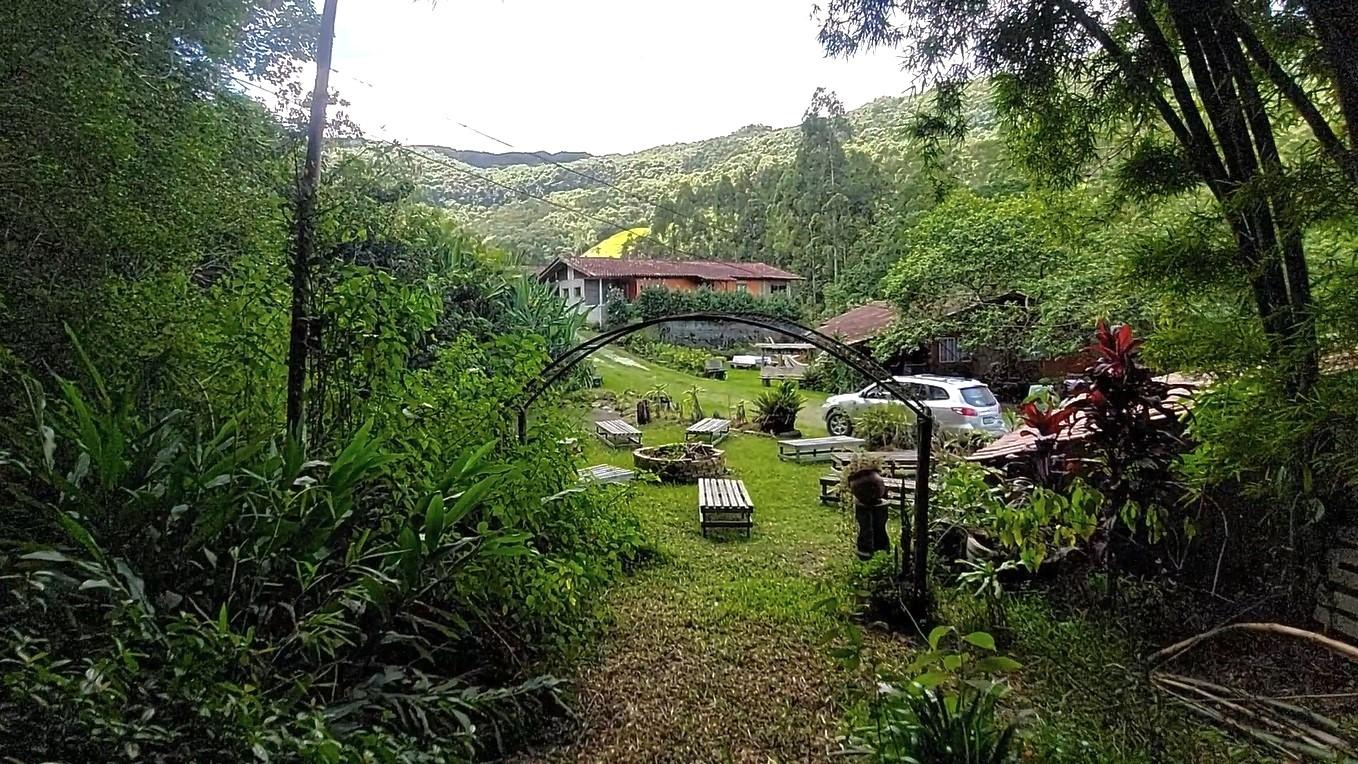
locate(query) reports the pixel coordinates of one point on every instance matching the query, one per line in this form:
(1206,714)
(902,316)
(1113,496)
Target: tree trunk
(299,340)
(1336,26)
(1257,207)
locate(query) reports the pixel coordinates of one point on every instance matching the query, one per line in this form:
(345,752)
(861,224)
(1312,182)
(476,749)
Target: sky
(603,76)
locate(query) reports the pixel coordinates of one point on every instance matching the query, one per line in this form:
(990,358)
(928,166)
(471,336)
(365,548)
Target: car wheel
(839,423)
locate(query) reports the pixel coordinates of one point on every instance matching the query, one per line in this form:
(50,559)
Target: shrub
(944,711)
(618,310)
(831,375)
(776,410)
(676,357)
(658,302)
(887,426)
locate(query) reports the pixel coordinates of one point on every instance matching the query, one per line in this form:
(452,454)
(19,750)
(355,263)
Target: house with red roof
(586,281)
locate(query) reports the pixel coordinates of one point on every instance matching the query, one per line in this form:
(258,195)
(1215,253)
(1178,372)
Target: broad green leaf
(981,639)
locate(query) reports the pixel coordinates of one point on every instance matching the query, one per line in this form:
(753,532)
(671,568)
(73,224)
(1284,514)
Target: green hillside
(537,230)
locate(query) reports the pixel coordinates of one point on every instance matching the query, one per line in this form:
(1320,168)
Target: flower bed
(681,462)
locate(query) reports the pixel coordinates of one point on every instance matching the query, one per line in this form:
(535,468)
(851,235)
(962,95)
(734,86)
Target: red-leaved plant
(1047,425)
(1134,436)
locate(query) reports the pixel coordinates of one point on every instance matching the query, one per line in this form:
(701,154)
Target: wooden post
(299,340)
(923,448)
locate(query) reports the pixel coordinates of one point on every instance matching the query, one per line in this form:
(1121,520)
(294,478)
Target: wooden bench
(617,433)
(604,474)
(724,504)
(832,484)
(817,449)
(768,374)
(710,430)
(714,368)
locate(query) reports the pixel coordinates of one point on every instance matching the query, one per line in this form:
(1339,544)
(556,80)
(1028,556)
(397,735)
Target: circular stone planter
(681,462)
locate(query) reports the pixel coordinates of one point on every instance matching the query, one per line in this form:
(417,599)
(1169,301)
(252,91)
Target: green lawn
(740,385)
(719,648)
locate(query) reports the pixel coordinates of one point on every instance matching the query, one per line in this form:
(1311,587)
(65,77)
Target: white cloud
(588,75)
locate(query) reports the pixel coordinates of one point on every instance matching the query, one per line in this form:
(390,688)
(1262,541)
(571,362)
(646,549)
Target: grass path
(718,649)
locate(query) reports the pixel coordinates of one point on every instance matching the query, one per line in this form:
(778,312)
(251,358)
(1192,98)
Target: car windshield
(978,396)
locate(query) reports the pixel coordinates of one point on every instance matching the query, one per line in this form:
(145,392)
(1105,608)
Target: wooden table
(894,463)
(616,432)
(710,430)
(817,449)
(724,504)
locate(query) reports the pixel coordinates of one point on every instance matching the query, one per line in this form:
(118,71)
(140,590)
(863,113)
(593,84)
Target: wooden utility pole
(299,341)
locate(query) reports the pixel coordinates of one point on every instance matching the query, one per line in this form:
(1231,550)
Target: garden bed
(681,462)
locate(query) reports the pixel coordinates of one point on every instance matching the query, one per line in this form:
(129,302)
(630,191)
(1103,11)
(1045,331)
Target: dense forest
(398,576)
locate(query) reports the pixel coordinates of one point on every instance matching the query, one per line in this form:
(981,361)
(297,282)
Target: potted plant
(863,478)
(777,409)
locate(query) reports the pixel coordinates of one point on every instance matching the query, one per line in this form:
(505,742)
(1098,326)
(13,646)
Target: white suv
(958,403)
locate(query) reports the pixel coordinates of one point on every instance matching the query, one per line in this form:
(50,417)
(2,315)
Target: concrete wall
(713,335)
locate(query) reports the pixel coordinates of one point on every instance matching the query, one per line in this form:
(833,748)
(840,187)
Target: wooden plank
(1348,535)
(745,494)
(1342,577)
(1345,603)
(1337,621)
(1345,557)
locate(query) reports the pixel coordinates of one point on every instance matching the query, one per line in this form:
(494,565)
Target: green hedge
(657,302)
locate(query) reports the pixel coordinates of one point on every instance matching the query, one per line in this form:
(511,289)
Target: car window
(978,396)
(932,393)
(879,392)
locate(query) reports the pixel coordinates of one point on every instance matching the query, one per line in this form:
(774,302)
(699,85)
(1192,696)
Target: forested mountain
(488,159)
(536,230)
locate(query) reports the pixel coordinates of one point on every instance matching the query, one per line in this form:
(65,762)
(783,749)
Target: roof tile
(607,267)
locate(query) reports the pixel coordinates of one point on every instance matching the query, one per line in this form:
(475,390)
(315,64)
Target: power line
(506,186)
(709,225)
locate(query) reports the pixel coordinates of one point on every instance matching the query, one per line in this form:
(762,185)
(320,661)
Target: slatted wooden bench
(724,504)
(604,474)
(617,433)
(832,484)
(714,368)
(710,430)
(817,449)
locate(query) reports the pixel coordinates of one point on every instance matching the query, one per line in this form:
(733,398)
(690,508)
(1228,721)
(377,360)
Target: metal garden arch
(855,359)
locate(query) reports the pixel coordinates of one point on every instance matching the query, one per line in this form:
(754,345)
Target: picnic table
(817,449)
(724,503)
(894,463)
(832,484)
(603,474)
(616,432)
(710,430)
(769,374)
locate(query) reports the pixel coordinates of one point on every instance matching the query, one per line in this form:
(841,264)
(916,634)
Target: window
(932,393)
(577,293)
(741,286)
(978,396)
(777,288)
(948,350)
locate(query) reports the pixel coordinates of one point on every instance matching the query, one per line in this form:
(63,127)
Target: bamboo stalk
(1333,645)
